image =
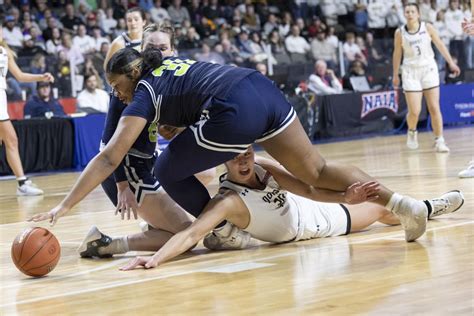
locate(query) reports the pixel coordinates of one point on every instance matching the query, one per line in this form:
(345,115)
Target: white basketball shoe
(412,139)
(236,239)
(28,188)
(447,203)
(468,172)
(413,215)
(440,145)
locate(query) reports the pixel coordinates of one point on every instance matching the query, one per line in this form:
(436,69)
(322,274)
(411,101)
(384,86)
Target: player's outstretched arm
(99,168)
(217,210)
(24,76)
(354,194)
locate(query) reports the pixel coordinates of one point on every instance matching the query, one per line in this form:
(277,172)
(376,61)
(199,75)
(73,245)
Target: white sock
(224,231)
(117,246)
(439,139)
(393,202)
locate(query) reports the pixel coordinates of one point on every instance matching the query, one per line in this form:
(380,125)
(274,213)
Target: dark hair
(88,75)
(413,4)
(125,60)
(136,9)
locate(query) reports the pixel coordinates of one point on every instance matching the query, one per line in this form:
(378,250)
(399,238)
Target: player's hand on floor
(126,203)
(52,215)
(358,193)
(146,262)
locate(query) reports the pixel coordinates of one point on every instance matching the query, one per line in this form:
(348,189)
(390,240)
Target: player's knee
(11,141)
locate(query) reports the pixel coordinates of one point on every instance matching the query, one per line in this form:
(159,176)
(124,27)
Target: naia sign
(387,100)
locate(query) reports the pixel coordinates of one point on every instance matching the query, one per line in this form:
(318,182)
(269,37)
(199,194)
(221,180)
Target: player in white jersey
(7,133)
(420,75)
(255,197)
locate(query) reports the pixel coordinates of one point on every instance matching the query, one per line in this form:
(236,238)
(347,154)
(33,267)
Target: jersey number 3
(180,67)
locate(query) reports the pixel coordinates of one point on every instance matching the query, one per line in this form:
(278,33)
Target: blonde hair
(163,27)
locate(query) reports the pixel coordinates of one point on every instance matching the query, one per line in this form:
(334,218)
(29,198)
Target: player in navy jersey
(226,109)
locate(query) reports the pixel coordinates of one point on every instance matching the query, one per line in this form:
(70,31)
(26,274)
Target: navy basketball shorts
(139,172)
(254,110)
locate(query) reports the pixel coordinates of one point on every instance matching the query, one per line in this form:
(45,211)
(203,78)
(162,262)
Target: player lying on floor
(266,201)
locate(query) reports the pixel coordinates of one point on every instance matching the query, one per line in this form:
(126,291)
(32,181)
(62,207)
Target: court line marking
(175,274)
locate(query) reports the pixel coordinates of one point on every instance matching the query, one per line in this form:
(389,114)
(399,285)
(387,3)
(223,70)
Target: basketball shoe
(28,188)
(413,215)
(235,238)
(412,139)
(440,145)
(92,242)
(447,203)
(468,172)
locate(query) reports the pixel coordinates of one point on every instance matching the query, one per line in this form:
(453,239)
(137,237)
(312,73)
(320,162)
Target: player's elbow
(108,160)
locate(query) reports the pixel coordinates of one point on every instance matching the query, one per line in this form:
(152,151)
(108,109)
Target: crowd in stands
(333,38)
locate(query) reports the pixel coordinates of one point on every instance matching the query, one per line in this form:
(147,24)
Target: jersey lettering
(180,67)
(153,132)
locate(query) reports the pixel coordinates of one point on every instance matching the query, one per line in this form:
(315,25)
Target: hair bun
(152,57)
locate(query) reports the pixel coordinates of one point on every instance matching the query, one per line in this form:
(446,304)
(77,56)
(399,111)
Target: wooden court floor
(369,273)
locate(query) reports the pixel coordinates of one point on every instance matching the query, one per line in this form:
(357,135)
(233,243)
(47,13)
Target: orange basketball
(35,251)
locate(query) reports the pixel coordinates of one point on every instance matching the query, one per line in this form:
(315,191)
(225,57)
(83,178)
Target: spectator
(29,48)
(428,11)
(158,14)
(70,21)
(374,51)
(84,42)
(54,43)
(12,34)
(120,29)
(120,9)
(257,47)
(38,64)
(48,32)
(296,45)
(191,40)
(329,9)
(453,18)
(206,28)
(106,20)
(303,29)
(285,27)
(63,74)
(231,53)
(324,81)
(270,25)
(178,13)
(37,37)
(98,38)
(323,49)
(195,12)
(315,27)
(92,99)
(331,36)
(361,18)
(208,56)
(244,45)
(73,53)
(278,48)
(377,12)
(352,51)
(42,104)
(251,19)
(356,69)
(212,10)
(91,23)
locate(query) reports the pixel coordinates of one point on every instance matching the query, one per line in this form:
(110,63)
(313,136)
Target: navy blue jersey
(131,43)
(145,144)
(176,92)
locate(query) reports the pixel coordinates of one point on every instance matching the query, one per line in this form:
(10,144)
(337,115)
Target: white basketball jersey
(417,50)
(3,67)
(273,213)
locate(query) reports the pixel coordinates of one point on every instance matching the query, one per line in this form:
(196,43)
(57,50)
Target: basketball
(35,251)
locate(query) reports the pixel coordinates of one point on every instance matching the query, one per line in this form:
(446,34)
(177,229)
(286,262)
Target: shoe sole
(462,197)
